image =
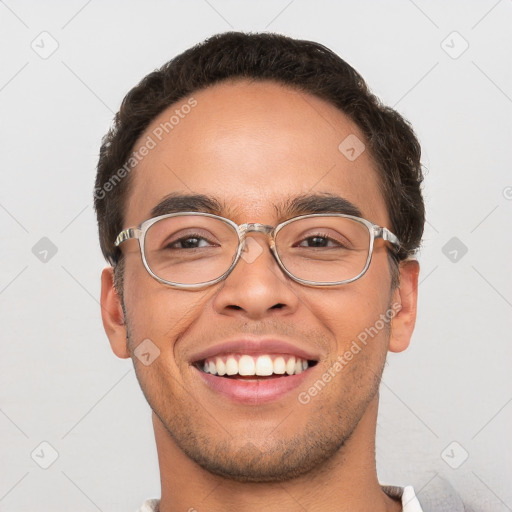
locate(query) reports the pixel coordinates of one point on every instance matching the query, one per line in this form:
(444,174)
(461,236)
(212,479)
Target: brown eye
(193,241)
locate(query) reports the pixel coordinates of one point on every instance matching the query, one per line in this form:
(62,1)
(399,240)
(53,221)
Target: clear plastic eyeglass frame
(139,233)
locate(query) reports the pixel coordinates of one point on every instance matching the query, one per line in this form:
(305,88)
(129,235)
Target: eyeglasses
(191,250)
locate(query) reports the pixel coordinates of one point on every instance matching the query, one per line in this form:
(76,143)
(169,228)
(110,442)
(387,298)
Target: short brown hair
(304,65)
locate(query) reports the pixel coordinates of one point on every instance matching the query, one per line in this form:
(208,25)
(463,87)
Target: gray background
(59,381)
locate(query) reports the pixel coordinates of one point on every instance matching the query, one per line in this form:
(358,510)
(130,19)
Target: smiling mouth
(254,367)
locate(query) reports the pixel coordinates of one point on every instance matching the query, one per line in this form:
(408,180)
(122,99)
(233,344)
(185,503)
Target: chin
(284,461)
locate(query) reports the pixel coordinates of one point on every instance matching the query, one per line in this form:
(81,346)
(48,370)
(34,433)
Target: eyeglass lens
(193,249)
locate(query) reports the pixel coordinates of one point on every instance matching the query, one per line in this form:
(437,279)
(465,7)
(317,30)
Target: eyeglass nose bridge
(256,227)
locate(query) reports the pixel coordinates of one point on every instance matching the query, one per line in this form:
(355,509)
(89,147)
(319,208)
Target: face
(253,146)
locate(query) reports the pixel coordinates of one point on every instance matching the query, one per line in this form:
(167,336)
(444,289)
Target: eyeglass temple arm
(385,234)
(127,234)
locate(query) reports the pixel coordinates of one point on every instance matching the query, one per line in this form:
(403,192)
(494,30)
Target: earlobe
(404,302)
(112,315)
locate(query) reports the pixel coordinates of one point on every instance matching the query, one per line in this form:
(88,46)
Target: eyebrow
(316,203)
(174,203)
(291,207)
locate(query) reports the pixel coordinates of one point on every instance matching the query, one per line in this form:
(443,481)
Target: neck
(346,482)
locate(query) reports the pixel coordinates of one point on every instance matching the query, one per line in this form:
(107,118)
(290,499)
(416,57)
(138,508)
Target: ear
(112,315)
(404,302)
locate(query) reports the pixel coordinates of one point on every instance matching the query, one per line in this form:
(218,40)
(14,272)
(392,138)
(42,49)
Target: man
(260,210)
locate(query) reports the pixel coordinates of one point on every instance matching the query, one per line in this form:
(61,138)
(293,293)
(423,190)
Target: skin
(253,145)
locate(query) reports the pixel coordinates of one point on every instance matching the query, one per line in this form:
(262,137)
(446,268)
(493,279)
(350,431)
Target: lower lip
(253,392)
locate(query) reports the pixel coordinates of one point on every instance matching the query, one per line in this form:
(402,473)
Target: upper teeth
(254,365)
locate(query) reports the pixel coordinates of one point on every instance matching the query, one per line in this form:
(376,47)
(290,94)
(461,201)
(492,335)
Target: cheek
(351,311)
(157,312)
(359,343)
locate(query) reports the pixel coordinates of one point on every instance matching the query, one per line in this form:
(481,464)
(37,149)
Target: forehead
(253,147)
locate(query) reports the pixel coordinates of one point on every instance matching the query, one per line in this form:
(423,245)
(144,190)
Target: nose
(257,286)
